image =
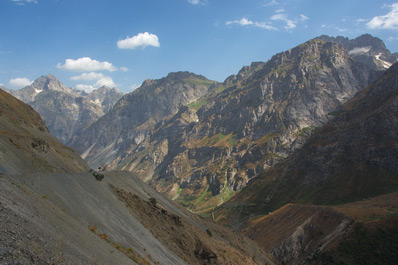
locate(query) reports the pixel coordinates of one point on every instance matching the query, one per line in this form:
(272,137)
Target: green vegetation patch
(198,104)
(199,82)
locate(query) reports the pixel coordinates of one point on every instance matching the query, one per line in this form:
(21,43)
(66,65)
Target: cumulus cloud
(87,77)
(20,82)
(104,81)
(140,40)
(194,2)
(22,2)
(124,69)
(86,64)
(247,22)
(290,24)
(388,21)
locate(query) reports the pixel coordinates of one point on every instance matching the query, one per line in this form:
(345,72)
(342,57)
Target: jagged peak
(50,82)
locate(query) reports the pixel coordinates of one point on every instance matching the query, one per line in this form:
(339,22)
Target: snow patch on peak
(359,50)
(384,63)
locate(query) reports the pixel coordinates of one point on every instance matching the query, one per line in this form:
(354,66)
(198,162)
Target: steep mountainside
(365,232)
(214,146)
(367,49)
(26,144)
(353,157)
(117,133)
(64,110)
(54,211)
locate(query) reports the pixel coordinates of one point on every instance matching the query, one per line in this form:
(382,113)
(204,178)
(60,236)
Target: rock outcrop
(66,111)
(367,49)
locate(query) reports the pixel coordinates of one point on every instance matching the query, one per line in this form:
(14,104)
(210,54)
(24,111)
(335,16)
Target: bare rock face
(64,110)
(213,147)
(352,158)
(112,138)
(367,49)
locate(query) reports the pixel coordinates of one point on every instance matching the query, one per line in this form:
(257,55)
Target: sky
(120,43)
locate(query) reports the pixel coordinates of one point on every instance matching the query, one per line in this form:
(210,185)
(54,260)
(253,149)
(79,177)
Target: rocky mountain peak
(366,49)
(50,82)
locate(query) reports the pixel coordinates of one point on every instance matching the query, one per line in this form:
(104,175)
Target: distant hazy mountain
(367,49)
(64,110)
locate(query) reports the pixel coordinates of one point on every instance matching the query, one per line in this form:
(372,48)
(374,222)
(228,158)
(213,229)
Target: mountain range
(208,147)
(353,158)
(298,153)
(66,111)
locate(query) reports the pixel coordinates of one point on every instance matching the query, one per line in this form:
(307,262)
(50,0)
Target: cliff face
(346,163)
(213,147)
(352,157)
(132,119)
(367,49)
(64,110)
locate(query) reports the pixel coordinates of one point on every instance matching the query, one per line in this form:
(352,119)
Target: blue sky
(121,43)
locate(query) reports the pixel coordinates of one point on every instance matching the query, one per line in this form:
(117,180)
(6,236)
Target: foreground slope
(26,144)
(54,211)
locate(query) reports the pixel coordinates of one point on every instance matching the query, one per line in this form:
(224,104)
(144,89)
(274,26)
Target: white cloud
(1,84)
(140,40)
(388,21)
(20,82)
(392,38)
(22,2)
(124,69)
(87,77)
(280,10)
(290,24)
(86,64)
(271,3)
(246,22)
(87,88)
(197,2)
(303,17)
(104,81)
(134,86)
(341,29)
